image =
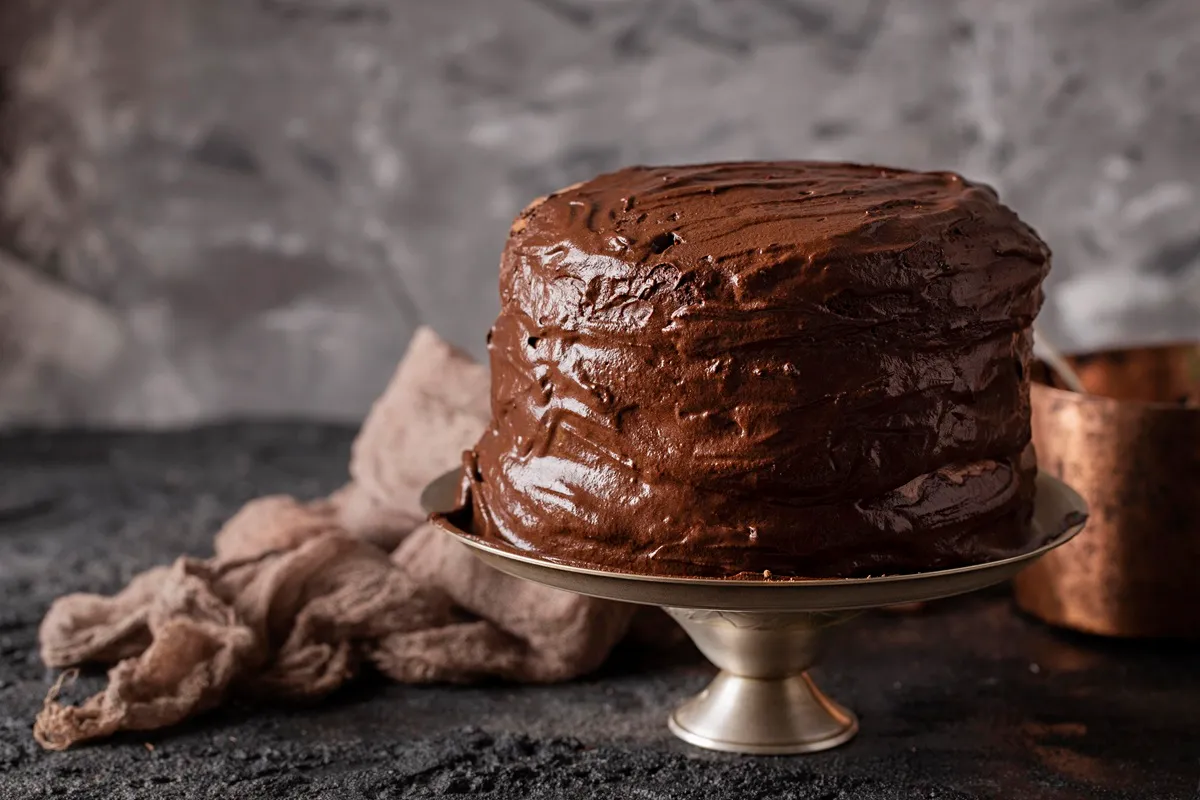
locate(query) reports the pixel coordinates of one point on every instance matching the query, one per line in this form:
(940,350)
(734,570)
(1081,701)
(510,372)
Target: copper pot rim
(1163,407)
(1145,406)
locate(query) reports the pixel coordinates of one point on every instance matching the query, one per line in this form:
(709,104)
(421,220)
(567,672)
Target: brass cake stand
(765,634)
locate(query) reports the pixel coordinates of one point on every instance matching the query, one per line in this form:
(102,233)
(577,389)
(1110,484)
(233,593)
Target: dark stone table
(965,699)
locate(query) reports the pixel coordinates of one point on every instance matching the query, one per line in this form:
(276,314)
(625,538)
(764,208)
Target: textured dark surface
(964,700)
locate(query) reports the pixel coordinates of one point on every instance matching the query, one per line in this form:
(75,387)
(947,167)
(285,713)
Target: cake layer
(743,367)
(954,516)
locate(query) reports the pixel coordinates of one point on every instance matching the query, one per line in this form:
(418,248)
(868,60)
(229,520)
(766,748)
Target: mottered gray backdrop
(214,208)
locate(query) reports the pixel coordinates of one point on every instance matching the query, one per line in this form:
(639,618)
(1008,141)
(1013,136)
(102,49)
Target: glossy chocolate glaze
(813,369)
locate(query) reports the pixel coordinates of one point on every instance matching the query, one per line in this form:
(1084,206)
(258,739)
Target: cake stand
(764,635)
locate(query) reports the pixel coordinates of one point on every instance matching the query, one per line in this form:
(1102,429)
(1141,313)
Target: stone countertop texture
(964,700)
(245,207)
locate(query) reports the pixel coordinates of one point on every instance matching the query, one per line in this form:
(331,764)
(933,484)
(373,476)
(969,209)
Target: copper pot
(1131,447)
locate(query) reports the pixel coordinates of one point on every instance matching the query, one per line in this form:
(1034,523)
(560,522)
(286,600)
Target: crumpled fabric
(300,596)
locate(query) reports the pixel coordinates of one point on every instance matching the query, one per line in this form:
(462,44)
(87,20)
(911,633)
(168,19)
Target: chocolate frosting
(809,368)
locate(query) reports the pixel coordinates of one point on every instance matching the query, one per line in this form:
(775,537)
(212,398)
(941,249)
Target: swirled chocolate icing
(809,368)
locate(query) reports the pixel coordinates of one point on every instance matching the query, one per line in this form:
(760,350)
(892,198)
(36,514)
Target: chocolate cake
(806,369)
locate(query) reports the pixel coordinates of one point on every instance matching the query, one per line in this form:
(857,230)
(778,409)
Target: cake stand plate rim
(819,594)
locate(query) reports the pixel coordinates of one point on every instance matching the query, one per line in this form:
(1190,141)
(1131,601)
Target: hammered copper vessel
(1131,447)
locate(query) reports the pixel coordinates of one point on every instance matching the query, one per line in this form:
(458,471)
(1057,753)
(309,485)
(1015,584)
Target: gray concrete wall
(225,207)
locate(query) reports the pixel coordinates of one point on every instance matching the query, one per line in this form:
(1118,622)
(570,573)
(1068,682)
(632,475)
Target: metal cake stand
(765,634)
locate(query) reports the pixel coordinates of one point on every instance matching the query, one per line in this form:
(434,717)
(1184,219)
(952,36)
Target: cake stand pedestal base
(763,700)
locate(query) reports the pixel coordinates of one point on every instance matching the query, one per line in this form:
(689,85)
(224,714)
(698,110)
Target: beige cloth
(300,595)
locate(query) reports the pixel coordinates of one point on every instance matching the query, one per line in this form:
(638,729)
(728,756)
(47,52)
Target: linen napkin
(299,596)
